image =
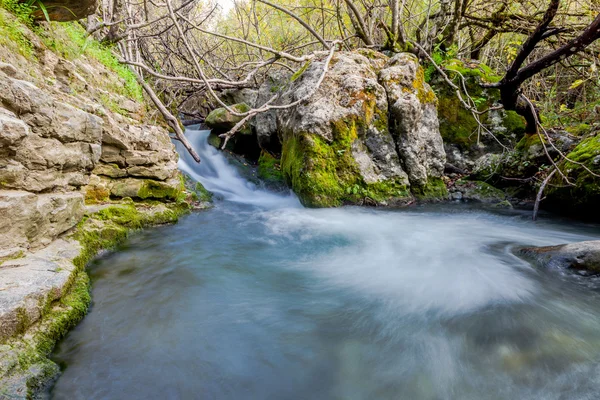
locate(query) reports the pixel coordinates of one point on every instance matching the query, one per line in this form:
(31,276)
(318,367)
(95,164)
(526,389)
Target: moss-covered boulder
(478,192)
(340,147)
(582,168)
(458,127)
(337,147)
(221,120)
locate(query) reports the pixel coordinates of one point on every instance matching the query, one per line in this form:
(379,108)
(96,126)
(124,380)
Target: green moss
(269,168)
(435,189)
(159,190)
(457,125)
(220,120)
(299,73)
(60,316)
(579,130)
(309,166)
(202,193)
(583,197)
(514,123)
(214,140)
(476,70)
(528,141)
(325,174)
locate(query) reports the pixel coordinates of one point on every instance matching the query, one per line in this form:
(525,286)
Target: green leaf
(577,83)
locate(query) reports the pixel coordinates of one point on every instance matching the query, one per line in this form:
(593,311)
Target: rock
(265,123)
(8,69)
(29,221)
(160,172)
(414,123)
(238,96)
(146,188)
(580,256)
(582,168)
(221,120)
(479,192)
(337,147)
(12,129)
(458,127)
(66,10)
(110,170)
(75,125)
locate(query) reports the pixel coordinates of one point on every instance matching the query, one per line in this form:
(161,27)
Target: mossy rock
(583,197)
(220,120)
(269,170)
(481,192)
(434,190)
(325,174)
(457,124)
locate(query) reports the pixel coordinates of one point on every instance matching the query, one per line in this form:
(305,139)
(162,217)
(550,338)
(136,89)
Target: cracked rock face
(413,118)
(57,150)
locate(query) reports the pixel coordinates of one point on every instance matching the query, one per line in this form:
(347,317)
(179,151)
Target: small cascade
(221,178)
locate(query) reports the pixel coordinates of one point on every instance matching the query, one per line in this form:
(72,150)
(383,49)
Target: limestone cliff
(82,162)
(66,138)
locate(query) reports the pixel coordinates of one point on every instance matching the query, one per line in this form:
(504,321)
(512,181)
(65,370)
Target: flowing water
(259,298)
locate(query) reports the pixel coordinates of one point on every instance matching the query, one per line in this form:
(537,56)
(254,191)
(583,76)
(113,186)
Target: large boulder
(339,146)
(580,255)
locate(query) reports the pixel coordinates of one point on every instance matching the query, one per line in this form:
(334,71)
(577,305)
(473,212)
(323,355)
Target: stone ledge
(46,293)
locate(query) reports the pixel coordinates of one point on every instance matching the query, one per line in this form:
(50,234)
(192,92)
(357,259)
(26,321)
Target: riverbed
(260,298)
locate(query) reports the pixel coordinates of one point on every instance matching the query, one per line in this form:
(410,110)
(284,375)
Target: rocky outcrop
(55,154)
(339,146)
(579,256)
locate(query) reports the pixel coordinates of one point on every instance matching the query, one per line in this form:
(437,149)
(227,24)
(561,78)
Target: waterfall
(220,177)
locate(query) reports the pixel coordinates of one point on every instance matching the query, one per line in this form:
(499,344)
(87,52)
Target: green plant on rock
(12,32)
(269,168)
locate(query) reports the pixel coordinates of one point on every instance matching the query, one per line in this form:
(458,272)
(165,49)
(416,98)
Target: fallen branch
(540,192)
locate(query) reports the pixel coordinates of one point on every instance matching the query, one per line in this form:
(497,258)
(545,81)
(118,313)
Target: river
(260,298)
